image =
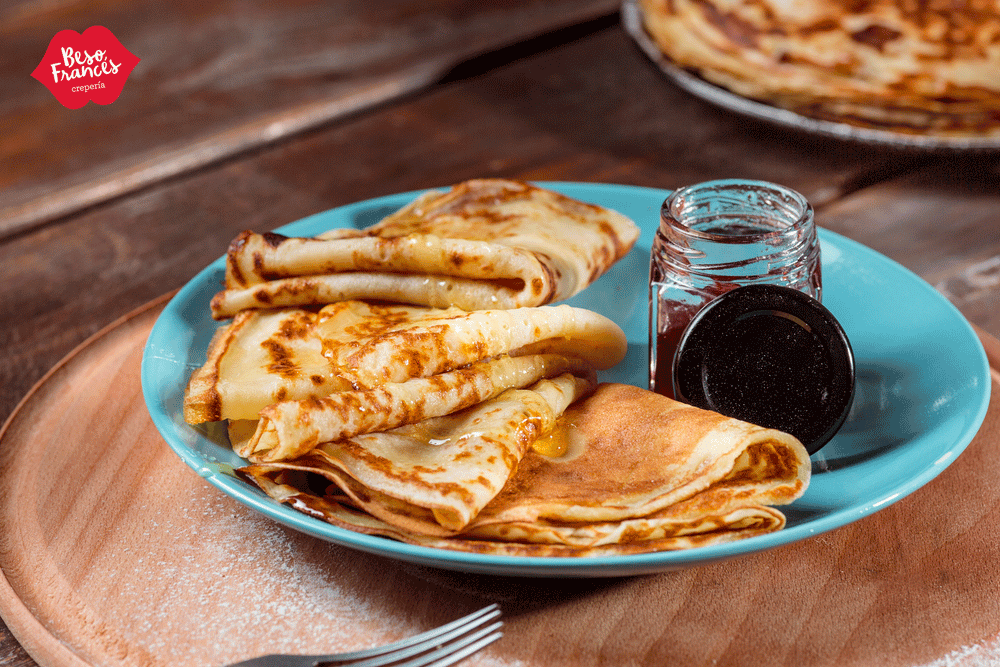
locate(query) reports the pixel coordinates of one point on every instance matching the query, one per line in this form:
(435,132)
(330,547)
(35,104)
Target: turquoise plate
(923,390)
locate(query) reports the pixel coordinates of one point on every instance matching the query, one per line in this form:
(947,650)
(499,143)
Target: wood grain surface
(114,553)
(577,105)
(220,78)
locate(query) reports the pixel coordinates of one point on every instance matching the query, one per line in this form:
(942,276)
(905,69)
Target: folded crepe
(484,244)
(378,343)
(259,358)
(290,429)
(435,476)
(708,518)
(265,357)
(916,68)
(623,471)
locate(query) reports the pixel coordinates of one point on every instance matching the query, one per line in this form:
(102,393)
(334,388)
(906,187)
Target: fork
(439,647)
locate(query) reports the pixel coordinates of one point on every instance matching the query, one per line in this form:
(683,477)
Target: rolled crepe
(484,244)
(380,343)
(635,472)
(268,356)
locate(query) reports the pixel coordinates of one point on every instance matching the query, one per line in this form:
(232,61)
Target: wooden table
(252,114)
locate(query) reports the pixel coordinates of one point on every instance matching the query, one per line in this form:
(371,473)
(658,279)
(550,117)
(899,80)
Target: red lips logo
(79,68)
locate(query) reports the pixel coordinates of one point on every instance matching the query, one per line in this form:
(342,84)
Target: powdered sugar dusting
(231,580)
(984,654)
(229,584)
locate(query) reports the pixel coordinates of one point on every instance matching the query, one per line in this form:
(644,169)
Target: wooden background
(251,114)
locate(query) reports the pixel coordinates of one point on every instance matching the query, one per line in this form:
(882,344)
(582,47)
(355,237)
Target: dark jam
(715,237)
(678,315)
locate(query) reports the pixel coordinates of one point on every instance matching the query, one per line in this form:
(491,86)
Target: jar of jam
(714,237)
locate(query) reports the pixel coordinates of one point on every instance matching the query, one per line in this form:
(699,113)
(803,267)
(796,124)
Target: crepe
(623,471)
(484,244)
(928,68)
(685,525)
(290,429)
(435,476)
(378,343)
(265,357)
(261,357)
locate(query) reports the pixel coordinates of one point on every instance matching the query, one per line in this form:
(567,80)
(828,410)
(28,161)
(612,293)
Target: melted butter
(564,441)
(553,444)
(440,432)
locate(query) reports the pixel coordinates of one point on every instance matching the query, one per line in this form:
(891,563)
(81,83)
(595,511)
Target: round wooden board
(114,553)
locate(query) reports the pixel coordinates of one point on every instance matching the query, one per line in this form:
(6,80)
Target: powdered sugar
(984,654)
(229,584)
(230,579)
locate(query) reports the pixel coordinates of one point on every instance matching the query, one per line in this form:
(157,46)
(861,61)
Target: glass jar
(714,237)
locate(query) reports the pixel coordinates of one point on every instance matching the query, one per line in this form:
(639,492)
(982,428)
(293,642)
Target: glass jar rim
(668,214)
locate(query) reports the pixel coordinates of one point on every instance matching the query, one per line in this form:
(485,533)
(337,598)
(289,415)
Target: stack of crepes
(926,68)
(361,398)
(622,471)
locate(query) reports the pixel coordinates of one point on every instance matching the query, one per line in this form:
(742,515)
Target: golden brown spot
(362,496)
(512,284)
(258,263)
(297,287)
(550,280)
(232,261)
(272,239)
(633,534)
(295,328)
(262,296)
(876,36)
(282,360)
(735,28)
(825,25)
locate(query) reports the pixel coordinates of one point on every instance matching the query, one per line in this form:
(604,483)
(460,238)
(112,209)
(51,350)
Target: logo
(81,68)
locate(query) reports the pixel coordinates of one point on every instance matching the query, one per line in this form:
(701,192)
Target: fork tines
(439,647)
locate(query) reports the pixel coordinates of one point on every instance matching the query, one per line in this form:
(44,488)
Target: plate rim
(631,16)
(561,566)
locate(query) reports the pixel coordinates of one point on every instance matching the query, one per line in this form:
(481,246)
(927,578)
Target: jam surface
(675,316)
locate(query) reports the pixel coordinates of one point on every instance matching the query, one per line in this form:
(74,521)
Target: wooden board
(114,553)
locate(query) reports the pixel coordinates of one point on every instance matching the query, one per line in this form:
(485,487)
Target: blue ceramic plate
(923,389)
